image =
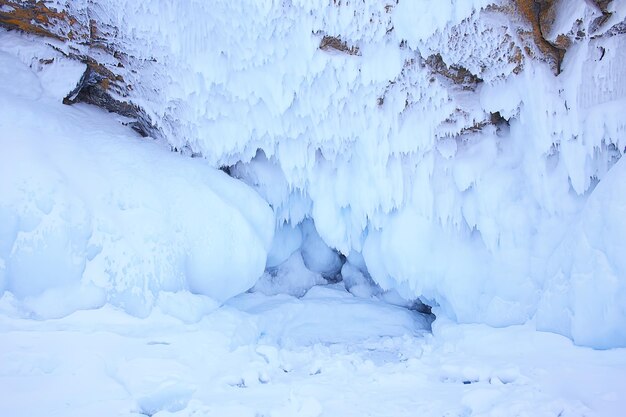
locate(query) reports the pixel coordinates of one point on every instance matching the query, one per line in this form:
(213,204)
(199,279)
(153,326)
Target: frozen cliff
(466,152)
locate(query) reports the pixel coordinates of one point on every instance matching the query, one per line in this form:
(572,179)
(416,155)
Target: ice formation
(436,145)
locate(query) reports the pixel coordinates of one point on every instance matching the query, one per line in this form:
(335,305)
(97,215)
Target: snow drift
(91,213)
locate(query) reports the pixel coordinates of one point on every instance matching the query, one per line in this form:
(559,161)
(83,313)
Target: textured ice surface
(585,294)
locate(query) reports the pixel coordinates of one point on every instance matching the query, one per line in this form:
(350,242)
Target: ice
(317,256)
(356,282)
(287,240)
(291,277)
(418,20)
(591,305)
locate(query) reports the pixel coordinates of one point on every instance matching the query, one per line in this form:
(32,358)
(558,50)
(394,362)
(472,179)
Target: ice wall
(432,137)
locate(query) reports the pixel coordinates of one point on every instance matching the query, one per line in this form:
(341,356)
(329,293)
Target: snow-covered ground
(323,355)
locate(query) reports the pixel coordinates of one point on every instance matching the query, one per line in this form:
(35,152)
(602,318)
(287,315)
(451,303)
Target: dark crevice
(335,43)
(226,169)
(498,120)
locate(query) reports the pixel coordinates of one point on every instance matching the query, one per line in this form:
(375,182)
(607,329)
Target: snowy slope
(91,213)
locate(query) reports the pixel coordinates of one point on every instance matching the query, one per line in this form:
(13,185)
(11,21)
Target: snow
(93,214)
(56,74)
(136,281)
(594,249)
(265,361)
(326,315)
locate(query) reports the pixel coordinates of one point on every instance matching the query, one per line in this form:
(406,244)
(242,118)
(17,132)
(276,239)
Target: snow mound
(90,213)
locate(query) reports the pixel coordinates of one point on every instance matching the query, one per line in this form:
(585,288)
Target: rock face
(96,43)
(88,36)
(71,31)
(37,18)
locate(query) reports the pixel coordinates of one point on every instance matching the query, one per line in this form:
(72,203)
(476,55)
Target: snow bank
(90,213)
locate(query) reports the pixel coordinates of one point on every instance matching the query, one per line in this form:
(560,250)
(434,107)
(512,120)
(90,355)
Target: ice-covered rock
(290,277)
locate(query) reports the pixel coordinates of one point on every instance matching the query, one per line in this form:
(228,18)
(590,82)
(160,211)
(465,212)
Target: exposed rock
(99,85)
(37,18)
(541,14)
(618,29)
(95,88)
(459,76)
(602,4)
(334,43)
